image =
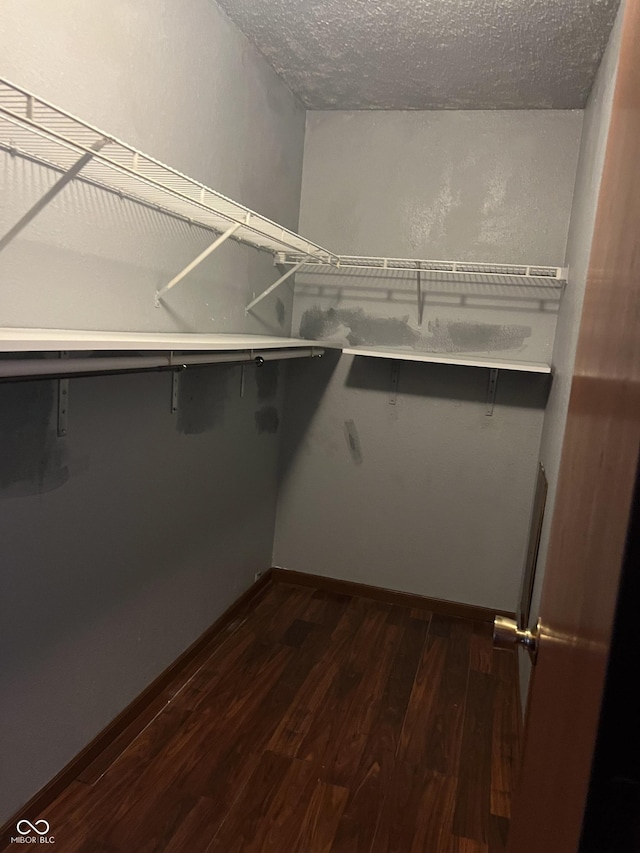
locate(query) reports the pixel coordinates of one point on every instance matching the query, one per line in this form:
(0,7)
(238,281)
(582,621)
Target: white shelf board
(36,129)
(451,358)
(74,340)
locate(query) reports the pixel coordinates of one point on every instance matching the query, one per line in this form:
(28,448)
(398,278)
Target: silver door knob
(506,635)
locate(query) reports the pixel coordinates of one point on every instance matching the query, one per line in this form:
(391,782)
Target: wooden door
(594,498)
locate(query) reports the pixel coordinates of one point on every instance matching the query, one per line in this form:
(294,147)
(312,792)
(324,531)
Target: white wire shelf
(75,340)
(451,358)
(34,128)
(429,270)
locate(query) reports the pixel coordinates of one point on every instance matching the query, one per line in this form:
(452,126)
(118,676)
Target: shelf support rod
(277,283)
(51,193)
(208,251)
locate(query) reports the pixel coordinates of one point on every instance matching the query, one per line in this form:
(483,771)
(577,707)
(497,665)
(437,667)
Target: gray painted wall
(178,81)
(476,185)
(472,186)
(583,214)
(125,540)
(431,496)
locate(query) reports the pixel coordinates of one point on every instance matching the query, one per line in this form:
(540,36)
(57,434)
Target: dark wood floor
(320,722)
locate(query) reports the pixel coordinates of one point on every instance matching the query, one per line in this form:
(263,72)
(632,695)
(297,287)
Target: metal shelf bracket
(491,391)
(175,390)
(63,402)
(201,257)
(395,380)
(63,406)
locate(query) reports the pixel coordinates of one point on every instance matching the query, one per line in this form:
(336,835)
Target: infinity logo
(32,827)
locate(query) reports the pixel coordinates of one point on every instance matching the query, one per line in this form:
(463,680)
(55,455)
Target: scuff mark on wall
(202,398)
(267,419)
(267,378)
(281,312)
(447,336)
(456,336)
(353,442)
(33,458)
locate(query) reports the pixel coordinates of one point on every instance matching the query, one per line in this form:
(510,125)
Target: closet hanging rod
(55,368)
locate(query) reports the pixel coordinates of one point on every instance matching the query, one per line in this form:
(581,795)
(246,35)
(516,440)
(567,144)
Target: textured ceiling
(431,54)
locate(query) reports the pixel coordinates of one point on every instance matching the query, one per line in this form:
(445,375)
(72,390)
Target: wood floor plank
(323,646)
(473,791)
(245,820)
(224,660)
(94,808)
(297,633)
(343,761)
(198,828)
(273,622)
(301,815)
(206,670)
(442,749)
(498,831)
(326,608)
(468,845)
(67,819)
(320,821)
(370,783)
(319,743)
(298,718)
(435,815)
(507,733)
(401,680)
(224,684)
(367,791)
(481,647)
(416,728)
(417,812)
(106,758)
(179,774)
(319,722)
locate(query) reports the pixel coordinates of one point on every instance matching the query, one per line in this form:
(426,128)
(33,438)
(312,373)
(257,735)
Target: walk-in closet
(293,297)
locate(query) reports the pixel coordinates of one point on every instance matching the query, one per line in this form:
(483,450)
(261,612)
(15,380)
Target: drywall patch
(456,336)
(202,398)
(357,327)
(267,379)
(353,442)
(33,459)
(445,336)
(267,419)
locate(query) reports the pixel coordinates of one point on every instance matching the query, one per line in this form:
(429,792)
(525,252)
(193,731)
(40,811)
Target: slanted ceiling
(431,54)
